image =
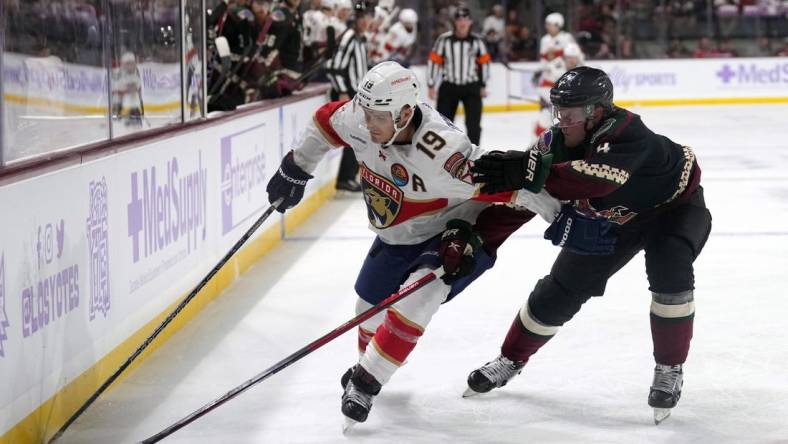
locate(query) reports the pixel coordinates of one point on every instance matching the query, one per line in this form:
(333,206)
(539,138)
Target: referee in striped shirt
(460,60)
(345,70)
(349,64)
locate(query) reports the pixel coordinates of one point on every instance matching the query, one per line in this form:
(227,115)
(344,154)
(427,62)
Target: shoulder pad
(604,128)
(278,16)
(545,142)
(243,13)
(619,117)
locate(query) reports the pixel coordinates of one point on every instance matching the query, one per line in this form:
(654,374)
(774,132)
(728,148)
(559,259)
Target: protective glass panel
(54,82)
(193,57)
(146,64)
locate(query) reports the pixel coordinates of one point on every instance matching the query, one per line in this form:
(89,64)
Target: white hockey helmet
(128,58)
(328,4)
(408,16)
(388,5)
(344,4)
(388,86)
(556,19)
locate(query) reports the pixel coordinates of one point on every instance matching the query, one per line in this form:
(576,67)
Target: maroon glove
(458,244)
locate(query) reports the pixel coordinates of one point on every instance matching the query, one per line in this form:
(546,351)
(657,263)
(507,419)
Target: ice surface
(588,385)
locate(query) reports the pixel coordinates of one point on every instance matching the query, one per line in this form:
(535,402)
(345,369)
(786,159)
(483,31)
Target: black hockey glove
(458,244)
(581,234)
(288,184)
(512,170)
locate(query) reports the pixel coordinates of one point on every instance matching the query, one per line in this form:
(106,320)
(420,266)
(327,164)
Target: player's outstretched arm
(316,140)
(500,171)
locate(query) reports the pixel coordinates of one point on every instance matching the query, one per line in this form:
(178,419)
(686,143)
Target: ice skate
(346,376)
(347,189)
(348,425)
(493,374)
(665,390)
(357,399)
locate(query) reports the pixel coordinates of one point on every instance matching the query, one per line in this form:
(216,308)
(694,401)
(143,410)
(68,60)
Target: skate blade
(660,415)
(348,425)
(470,392)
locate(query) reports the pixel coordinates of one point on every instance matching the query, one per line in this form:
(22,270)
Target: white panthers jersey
(411,190)
(551,51)
(397,43)
(315,24)
(127,88)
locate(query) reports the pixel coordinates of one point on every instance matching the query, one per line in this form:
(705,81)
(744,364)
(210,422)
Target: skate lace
(359,397)
(501,369)
(666,378)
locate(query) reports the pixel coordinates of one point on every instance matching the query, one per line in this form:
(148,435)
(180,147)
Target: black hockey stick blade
(166,321)
(309,348)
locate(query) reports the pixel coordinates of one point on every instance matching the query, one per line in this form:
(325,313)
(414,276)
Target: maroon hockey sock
(671,339)
(520,343)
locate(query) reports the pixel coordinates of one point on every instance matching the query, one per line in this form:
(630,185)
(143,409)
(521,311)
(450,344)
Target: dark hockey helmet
(583,86)
(363,7)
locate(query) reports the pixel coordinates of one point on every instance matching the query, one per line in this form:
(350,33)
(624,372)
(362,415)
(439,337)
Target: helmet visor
(379,124)
(566,117)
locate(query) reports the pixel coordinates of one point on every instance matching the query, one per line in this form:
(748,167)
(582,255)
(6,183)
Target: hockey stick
(142,108)
(309,348)
(316,66)
(513,69)
(169,319)
(524,99)
(520,70)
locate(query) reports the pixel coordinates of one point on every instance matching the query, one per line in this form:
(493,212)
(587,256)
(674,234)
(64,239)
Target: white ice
(589,384)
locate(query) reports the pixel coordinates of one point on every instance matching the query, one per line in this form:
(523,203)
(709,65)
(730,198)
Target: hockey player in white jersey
(315,23)
(127,91)
(422,205)
(552,66)
(397,43)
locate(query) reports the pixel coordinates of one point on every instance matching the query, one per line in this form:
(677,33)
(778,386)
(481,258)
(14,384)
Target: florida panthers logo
(383,198)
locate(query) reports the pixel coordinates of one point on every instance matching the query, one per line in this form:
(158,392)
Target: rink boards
(92,257)
(663,82)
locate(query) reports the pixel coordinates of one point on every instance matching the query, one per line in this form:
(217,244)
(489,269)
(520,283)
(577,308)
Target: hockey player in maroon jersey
(606,162)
